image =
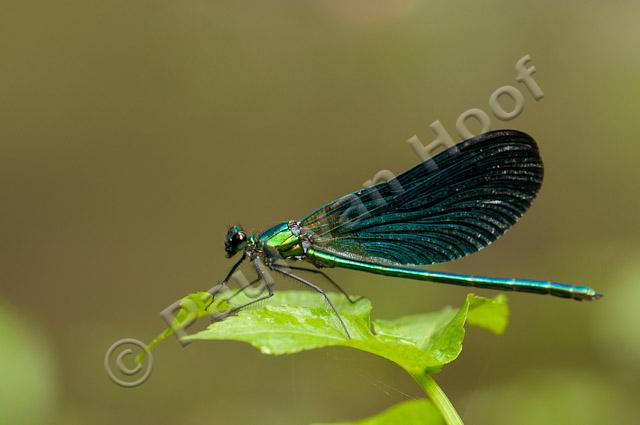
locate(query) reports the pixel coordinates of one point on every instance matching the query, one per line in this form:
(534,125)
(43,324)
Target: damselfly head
(236,241)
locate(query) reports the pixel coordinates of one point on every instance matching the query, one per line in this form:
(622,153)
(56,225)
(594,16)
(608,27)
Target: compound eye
(239,237)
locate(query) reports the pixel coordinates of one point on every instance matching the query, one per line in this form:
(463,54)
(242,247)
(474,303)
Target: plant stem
(438,397)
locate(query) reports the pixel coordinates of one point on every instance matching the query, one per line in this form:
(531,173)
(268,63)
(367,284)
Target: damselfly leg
(317,289)
(329,279)
(262,277)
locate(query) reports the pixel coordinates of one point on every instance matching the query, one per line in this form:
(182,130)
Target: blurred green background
(134,132)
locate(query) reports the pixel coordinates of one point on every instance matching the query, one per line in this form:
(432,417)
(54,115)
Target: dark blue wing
(444,208)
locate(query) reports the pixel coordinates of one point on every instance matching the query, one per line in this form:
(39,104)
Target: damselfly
(447,207)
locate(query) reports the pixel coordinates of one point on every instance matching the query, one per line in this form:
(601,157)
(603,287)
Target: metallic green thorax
(282,240)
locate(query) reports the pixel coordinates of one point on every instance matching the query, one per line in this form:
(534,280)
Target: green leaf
(192,307)
(294,321)
(413,412)
(493,316)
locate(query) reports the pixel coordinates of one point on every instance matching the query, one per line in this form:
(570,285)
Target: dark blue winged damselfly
(449,206)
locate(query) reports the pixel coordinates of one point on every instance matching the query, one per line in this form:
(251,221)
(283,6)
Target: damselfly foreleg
(262,276)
